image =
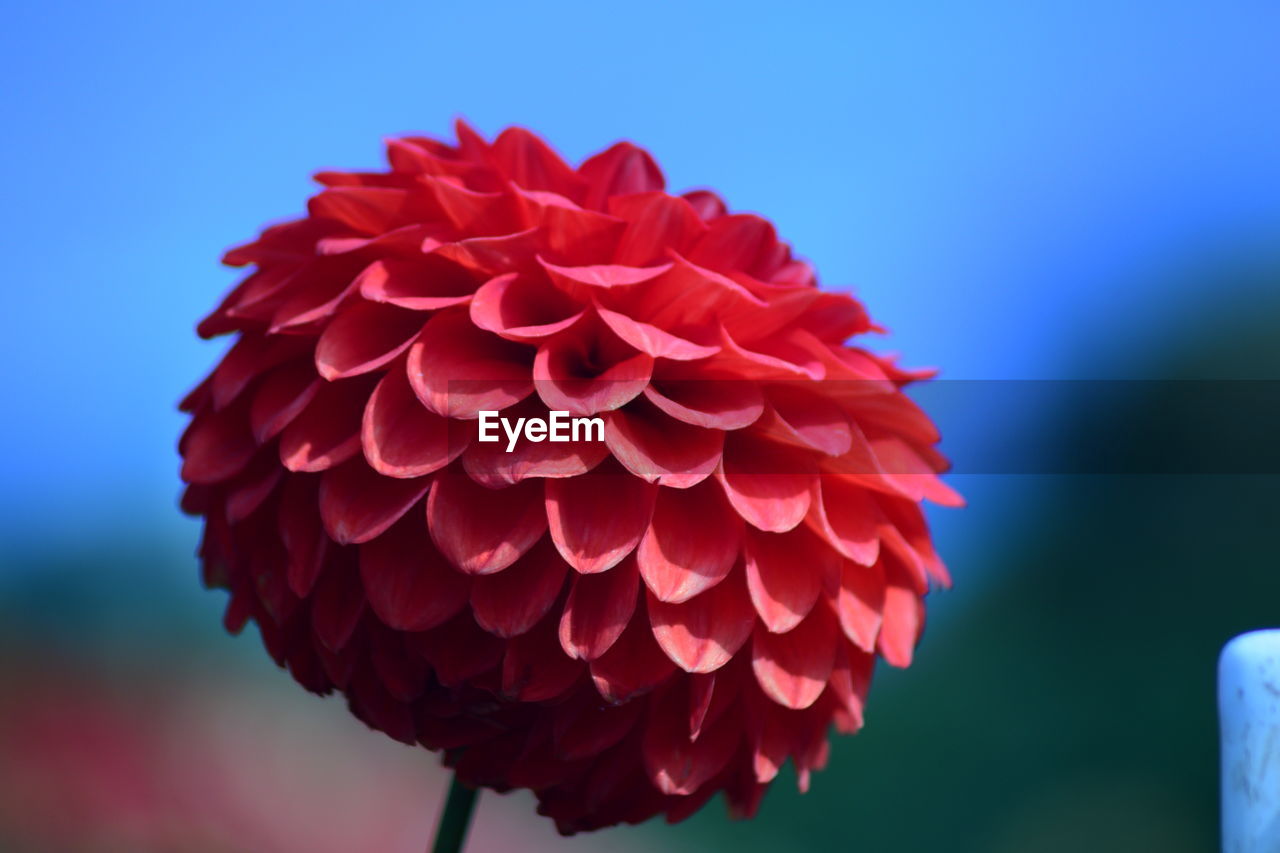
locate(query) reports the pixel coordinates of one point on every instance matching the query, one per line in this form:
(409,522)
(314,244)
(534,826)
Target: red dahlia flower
(627,625)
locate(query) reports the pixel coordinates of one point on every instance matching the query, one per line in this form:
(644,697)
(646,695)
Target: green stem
(451,832)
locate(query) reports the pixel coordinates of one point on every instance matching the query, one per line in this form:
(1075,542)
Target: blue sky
(1004,185)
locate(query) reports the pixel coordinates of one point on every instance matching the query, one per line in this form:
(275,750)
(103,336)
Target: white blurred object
(1249,710)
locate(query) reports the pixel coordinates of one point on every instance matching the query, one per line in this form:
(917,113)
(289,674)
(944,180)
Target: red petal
(487,257)
(860,603)
(530,163)
(660,450)
(656,222)
(585,727)
(598,518)
(598,609)
(459,650)
(363,337)
(337,603)
(650,339)
(903,619)
(906,533)
(280,398)
(847,517)
(806,419)
(622,169)
(676,764)
(327,433)
(589,370)
(769,486)
(482,530)
(400,437)
(689,295)
(793,668)
(510,602)
(301,532)
(357,504)
(410,586)
(401,671)
(710,401)
(366,210)
(253,486)
(313,296)
(573,235)
(468,211)
(784,357)
(786,573)
(580,282)
(457,370)
(850,681)
(691,544)
(535,669)
(252,356)
(703,633)
(402,240)
(422,284)
(217,445)
(914,477)
(634,664)
(523,308)
(740,241)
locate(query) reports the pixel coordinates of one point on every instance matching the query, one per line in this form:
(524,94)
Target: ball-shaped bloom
(673,604)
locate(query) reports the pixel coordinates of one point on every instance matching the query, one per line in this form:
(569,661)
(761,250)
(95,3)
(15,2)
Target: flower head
(626,623)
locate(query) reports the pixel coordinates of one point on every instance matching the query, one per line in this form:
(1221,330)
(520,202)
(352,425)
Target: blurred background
(1019,191)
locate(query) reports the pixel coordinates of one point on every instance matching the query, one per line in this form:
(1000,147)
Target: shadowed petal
(457,370)
(657,448)
(785,574)
(482,530)
(510,602)
(589,370)
(327,432)
(337,603)
(357,503)
(692,542)
(523,308)
(703,633)
(535,669)
(770,486)
(903,618)
(634,664)
(217,445)
(401,438)
(707,400)
(793,668)
(598,609)
(676,764)
(281,397)
(622,169)
(586,726)
(419,284)
(598,518)
(409,584)
(848,517)
(656,223)
(364,337)
(301,531)
(860,603)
